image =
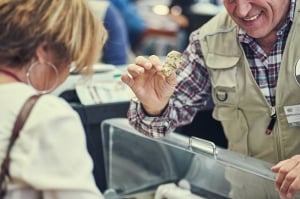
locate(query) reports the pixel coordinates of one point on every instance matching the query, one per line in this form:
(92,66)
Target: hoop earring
(38,65)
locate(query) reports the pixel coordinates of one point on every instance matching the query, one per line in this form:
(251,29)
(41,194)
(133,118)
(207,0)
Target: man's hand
(150,86)
(287,181)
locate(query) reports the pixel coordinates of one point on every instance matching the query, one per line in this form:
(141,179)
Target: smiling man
(245,58)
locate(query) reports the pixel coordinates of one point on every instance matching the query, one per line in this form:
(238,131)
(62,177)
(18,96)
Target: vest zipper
(272,121)
(270,128)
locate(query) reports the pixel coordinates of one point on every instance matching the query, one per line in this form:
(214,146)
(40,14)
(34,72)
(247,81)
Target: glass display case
(136,165)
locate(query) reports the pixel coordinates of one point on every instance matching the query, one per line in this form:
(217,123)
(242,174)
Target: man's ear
(42,52)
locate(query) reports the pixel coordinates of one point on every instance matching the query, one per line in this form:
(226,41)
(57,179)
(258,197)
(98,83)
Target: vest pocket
(235,127)
(223,71)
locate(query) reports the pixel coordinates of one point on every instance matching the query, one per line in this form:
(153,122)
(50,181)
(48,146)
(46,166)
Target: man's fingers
(143,62)
(285,185)
(135,70)
(156,62)
(276,167)
(286,179)
(127,79)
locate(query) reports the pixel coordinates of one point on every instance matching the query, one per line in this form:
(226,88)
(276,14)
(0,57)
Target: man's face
(259,18)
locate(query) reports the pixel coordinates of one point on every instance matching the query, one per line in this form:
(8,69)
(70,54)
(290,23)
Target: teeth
(251,18)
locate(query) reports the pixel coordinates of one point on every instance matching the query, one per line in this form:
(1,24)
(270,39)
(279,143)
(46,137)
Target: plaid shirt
(194,88)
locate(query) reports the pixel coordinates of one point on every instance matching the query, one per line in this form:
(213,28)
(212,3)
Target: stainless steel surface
(137,164)
(203,145)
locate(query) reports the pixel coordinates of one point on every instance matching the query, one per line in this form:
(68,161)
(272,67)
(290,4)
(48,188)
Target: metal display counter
(136,165)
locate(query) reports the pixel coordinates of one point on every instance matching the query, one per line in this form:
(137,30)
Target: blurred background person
(135,24)
(49,159)
(190,15)
(180,12)
(117,49)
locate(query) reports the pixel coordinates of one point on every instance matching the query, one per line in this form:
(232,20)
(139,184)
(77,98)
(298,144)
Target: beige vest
(240,105)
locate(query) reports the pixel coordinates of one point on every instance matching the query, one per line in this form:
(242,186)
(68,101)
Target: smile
(252,18)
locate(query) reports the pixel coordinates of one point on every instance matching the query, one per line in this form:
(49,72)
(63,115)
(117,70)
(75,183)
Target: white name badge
(293,115)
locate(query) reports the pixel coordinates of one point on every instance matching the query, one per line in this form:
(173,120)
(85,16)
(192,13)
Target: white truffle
(172,62)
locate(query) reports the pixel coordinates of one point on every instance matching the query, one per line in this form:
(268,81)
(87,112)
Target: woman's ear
(43,53)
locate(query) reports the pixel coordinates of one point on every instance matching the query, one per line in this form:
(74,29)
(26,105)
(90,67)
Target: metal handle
(203,145)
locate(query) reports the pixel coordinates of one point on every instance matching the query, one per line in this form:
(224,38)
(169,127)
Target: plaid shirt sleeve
(192,93)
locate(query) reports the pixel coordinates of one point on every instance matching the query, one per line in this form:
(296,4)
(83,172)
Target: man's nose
(242,7)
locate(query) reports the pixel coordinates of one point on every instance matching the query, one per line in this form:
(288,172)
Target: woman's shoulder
(50,108)
(54,103)
(47,106)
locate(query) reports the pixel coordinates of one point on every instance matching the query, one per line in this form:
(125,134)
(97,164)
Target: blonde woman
(39,41)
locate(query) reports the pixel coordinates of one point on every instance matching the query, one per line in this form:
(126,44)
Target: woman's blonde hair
(68,26)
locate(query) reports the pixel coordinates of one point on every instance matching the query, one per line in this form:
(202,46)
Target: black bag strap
(19,123)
